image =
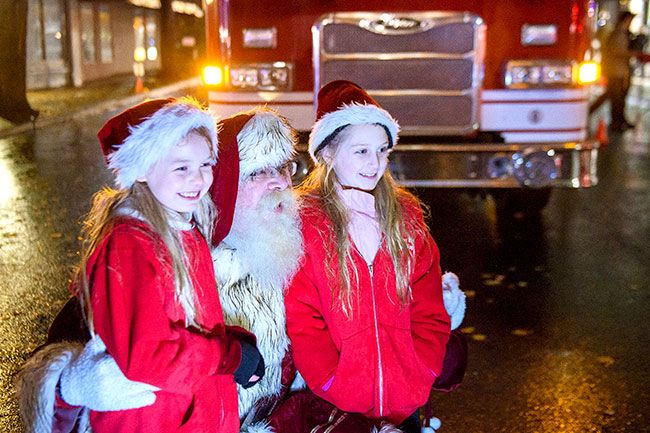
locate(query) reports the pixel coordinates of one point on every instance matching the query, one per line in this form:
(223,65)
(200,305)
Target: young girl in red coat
(365,312)
(146,281)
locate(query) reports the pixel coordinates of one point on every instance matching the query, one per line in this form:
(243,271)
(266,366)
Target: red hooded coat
(383,359)
(143,326)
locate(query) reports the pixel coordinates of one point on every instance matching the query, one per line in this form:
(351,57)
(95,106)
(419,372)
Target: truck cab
(488,94)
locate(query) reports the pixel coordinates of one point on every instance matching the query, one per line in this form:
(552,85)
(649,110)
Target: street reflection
(562,393)
(8,185)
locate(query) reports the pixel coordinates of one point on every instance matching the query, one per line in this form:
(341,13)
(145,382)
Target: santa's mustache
(278,202)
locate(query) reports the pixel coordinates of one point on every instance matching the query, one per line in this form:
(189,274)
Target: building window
(53,25)
(152,37)
(87,16)
(139,52)
(145,32)
(46,44)
(35,51)
(96,33)
(45,35)
(105,35)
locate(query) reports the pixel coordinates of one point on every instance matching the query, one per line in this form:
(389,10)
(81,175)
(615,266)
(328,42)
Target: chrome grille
(424,68)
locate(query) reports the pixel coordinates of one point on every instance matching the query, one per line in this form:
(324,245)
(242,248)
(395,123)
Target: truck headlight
(275,76)
(534,169)
(539,73)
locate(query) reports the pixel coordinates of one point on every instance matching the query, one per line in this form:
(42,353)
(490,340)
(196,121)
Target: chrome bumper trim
(469,165)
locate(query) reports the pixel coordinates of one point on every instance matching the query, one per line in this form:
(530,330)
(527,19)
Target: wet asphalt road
(557,305)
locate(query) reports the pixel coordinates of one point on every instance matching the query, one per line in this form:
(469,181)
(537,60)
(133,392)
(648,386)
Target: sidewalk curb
(104,106)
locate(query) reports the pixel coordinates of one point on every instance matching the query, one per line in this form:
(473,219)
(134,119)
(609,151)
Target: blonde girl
(146,281)
(365,311)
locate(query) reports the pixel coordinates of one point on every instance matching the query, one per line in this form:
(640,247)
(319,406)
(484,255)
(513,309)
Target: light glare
(588,72)
(212,75)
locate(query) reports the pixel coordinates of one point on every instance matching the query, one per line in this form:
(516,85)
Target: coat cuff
(232,353)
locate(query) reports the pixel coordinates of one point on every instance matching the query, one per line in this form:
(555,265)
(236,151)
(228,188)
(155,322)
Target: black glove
(251,363)
(259,372)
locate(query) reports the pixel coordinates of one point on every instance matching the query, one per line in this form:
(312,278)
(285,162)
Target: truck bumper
(495,165)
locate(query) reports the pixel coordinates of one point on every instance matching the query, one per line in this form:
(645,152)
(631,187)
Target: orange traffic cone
(139,85)
(601,133)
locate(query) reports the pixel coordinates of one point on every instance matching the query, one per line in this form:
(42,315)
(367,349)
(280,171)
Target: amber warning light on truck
(589,72)
(212,75)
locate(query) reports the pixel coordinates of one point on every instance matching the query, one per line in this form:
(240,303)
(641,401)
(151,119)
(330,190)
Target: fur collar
(259,309)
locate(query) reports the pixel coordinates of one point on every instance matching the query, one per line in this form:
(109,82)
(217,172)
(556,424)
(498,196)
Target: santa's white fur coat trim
(36,386)
(240,300)
(350,114)
(152,139)
(266,140)
(259,427)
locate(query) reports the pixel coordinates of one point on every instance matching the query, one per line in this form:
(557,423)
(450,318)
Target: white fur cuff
(454,299)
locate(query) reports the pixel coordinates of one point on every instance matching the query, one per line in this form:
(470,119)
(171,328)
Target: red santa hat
(342,103)
(135,139)
(248,141)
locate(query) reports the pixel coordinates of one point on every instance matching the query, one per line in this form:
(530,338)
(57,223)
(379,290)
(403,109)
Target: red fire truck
(489,94)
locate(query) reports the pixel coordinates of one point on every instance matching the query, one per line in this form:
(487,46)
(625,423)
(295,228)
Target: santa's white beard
(267,238)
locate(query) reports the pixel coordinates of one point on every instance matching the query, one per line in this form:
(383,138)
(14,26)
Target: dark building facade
(70,42)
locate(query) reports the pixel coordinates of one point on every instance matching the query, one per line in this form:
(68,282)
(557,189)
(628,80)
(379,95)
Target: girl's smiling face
(360,156)
(182,177)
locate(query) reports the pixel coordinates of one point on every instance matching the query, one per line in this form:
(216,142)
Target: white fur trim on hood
(152,139)
(266,140)
(350,114)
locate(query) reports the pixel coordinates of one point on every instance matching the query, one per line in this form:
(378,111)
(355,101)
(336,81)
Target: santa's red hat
(248,141)
(342,103)
(135,139)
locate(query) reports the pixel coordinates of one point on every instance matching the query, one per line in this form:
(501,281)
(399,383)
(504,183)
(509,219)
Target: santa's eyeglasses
(286,171)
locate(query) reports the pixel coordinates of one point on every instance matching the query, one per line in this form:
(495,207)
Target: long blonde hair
(398,230)
(138,200)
